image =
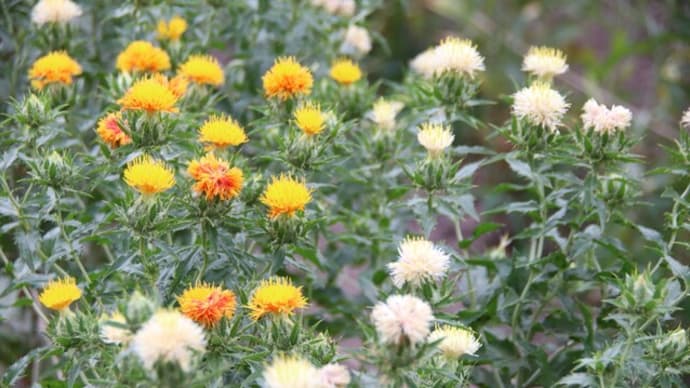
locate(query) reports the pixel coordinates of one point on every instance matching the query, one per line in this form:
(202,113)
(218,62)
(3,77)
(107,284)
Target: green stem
(204,251)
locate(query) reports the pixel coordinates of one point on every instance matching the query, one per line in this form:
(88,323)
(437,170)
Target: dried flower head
(169,336)
(544,62)
(149,176)
(455,341)
(111,332)
(54,11)
(203,70)
(221,131)
(357,40)
(214,177)
(334,376)
(206,304)
(59,294)
(419,260)
(604,120)
(435,138)
(142,56)
(291,372)
(171,30)
(309,118)
(285,196)
(458,56)
(402,317)
(150,95)
(287,78)
(277,296)
(345,72)
(540,105)
(56,67)
(110,132)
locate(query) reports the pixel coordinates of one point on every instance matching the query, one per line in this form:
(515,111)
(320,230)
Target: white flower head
(540,105)
(54,11)
(291,372)
(334,376)
(459,56)
(169,336)
(604,120)
(111,334)
(544,62)
(435,138)
(357,40)
(685,121)
(384,112)
(455,341)
(419,260)
(400,317)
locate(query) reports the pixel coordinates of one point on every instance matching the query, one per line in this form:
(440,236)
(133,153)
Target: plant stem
(204,251)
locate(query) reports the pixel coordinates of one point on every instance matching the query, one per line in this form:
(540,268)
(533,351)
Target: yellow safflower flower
(55,67)
(150,95)
(345,72)
(206,304)
(149,176)
(277,296)
(171,30)
(285,195)
(221,131)
(287,78)
(203,69)
(310,119)
(59,294)
(142,56)
(215,178)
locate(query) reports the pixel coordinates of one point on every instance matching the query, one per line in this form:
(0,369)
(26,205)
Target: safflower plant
(219,194)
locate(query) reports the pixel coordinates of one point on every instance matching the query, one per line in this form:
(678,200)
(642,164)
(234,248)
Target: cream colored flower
(455,341)
(54,11)
(544,62)
(435,138)
(402,317)
(111,334)
(540,105)
(333,376)
(169,336)
(425,63)
(357,40)
(291,372)
(419,260)
(685,121)
(383,114)
(604,120)
(459,56)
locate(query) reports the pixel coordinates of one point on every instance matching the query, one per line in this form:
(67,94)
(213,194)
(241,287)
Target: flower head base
(276,296)
(540,105)
(384,112)
(111,334)
(172,30)
(685,120)
(54,68)
(214,178)
(345,72)
(150,95)
(168,336)
(458,56)
(149,176)
(142,56)
(402,317)
(544,62)
(455,341)
(310,119)
(285,196)
(54,11)
(222,131)
(291,372)
(357,40)
(419,260)
(203,70)
(59,294)
(206,304)
(287,78)
(435,138)
(605,120)
(110,132)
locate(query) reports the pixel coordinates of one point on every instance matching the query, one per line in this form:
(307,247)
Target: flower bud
(139,308)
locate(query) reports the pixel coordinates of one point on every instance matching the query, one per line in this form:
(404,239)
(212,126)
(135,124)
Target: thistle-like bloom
(435,138)
(310,119)
(149,95)
(112,334)
(141,55)
(54,11)
(345,72)
(334,376)
(59,294)
(110,132)
(221,131)
(56,67)
(149,176)
(604,120)
(214,177)
(459,56)
(287,78)
(171,30)
(206,304)
(291,372)
(203,70)
(419,260)
(384,112)
(277,296)
(177,84)
(425,62)
(402,317)
(169,336)
(540,105)
(544,62)
(285,196)
(357,39)
(455,341)
(685,120)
